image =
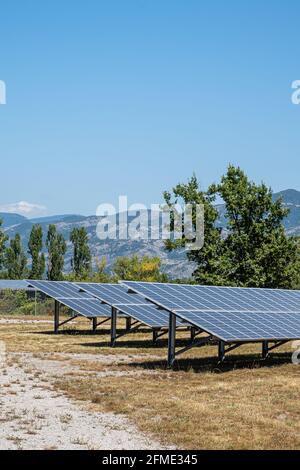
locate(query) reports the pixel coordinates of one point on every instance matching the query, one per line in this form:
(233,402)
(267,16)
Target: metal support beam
(67,321)
(95,324)
(265,349)
(158,334)
(278,344)
(221,352)
(171,340)
(113,326)
(193,333)
(155,335)
(128,323)
(200,342)
(56,316)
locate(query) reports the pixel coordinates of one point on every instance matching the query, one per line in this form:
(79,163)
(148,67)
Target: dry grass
(246,404)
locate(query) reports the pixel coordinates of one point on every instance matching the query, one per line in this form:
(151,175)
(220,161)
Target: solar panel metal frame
(71,301)
(209,322)
(182,313)
(15,285)
(294,298)
(125,308)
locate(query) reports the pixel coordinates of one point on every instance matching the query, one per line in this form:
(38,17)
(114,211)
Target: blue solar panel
(246,326)
(177,297)
(69,294)
(13,285)
(88,307)
(59,289)
(113,294)
(230,314)
(148,315)
(133,305)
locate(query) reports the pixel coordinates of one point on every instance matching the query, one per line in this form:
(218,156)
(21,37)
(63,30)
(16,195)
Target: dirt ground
(74,391)
(35,416)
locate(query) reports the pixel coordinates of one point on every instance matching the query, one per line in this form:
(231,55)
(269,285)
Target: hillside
(174,264)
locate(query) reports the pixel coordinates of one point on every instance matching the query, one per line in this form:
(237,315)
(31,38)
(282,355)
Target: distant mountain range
(174,264)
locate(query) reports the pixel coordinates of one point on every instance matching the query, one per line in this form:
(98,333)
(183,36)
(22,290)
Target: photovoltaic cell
(231,314)
(246,326)
(113,294)
(133,305)
(69,295)
(178,297)
(148,314)
(7,284)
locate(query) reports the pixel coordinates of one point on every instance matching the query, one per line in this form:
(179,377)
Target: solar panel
(178,297)
(133,305)
(59,289)
(90,308)
(246,326)
(69,294)
(113,294)
(148,315)
(6,284)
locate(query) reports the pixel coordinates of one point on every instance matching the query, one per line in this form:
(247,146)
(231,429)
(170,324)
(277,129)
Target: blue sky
(130,97)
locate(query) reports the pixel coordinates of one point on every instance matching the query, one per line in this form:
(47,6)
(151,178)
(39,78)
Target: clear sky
(130,97)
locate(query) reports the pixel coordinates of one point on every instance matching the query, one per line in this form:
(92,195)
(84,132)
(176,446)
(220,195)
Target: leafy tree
(81,260)
(15,259)
(3,239)
(35,246)
(207,259)
(57,248)
(139,269)
(254,250)
(101,275)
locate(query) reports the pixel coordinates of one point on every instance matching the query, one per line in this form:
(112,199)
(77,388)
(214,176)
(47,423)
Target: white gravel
(34,416)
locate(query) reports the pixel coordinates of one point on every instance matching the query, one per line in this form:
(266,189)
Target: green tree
(207,259)
(256,251)
(35,246)
(81,260)
(3,239)
(135,268)
(15,259)
(57,248)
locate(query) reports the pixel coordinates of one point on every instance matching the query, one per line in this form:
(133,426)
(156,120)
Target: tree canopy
(57,248)
(81,260)
(253,250)
(35,246)
(15,259)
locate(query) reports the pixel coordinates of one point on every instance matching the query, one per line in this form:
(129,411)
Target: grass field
(246,403)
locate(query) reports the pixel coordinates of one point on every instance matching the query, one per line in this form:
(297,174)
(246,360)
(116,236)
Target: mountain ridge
(172,263)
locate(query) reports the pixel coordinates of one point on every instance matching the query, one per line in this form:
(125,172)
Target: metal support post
(193,334)
(56,316)
(128,323)
(113,325)
(265,349)
(172,340)
(95,324)
(221,353)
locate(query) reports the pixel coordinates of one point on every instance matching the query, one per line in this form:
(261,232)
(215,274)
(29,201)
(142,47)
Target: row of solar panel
(231,314)
(96,300)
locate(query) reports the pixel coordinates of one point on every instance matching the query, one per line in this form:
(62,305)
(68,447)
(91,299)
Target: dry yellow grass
(245,404)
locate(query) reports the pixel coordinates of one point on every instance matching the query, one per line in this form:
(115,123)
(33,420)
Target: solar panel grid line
(114,294)
(248,299)
(244,302)
(277,326)
(57,289)
(148,314)
(68,294)
(88,308)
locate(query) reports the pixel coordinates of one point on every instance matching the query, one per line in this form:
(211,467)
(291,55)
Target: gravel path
(34,416)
